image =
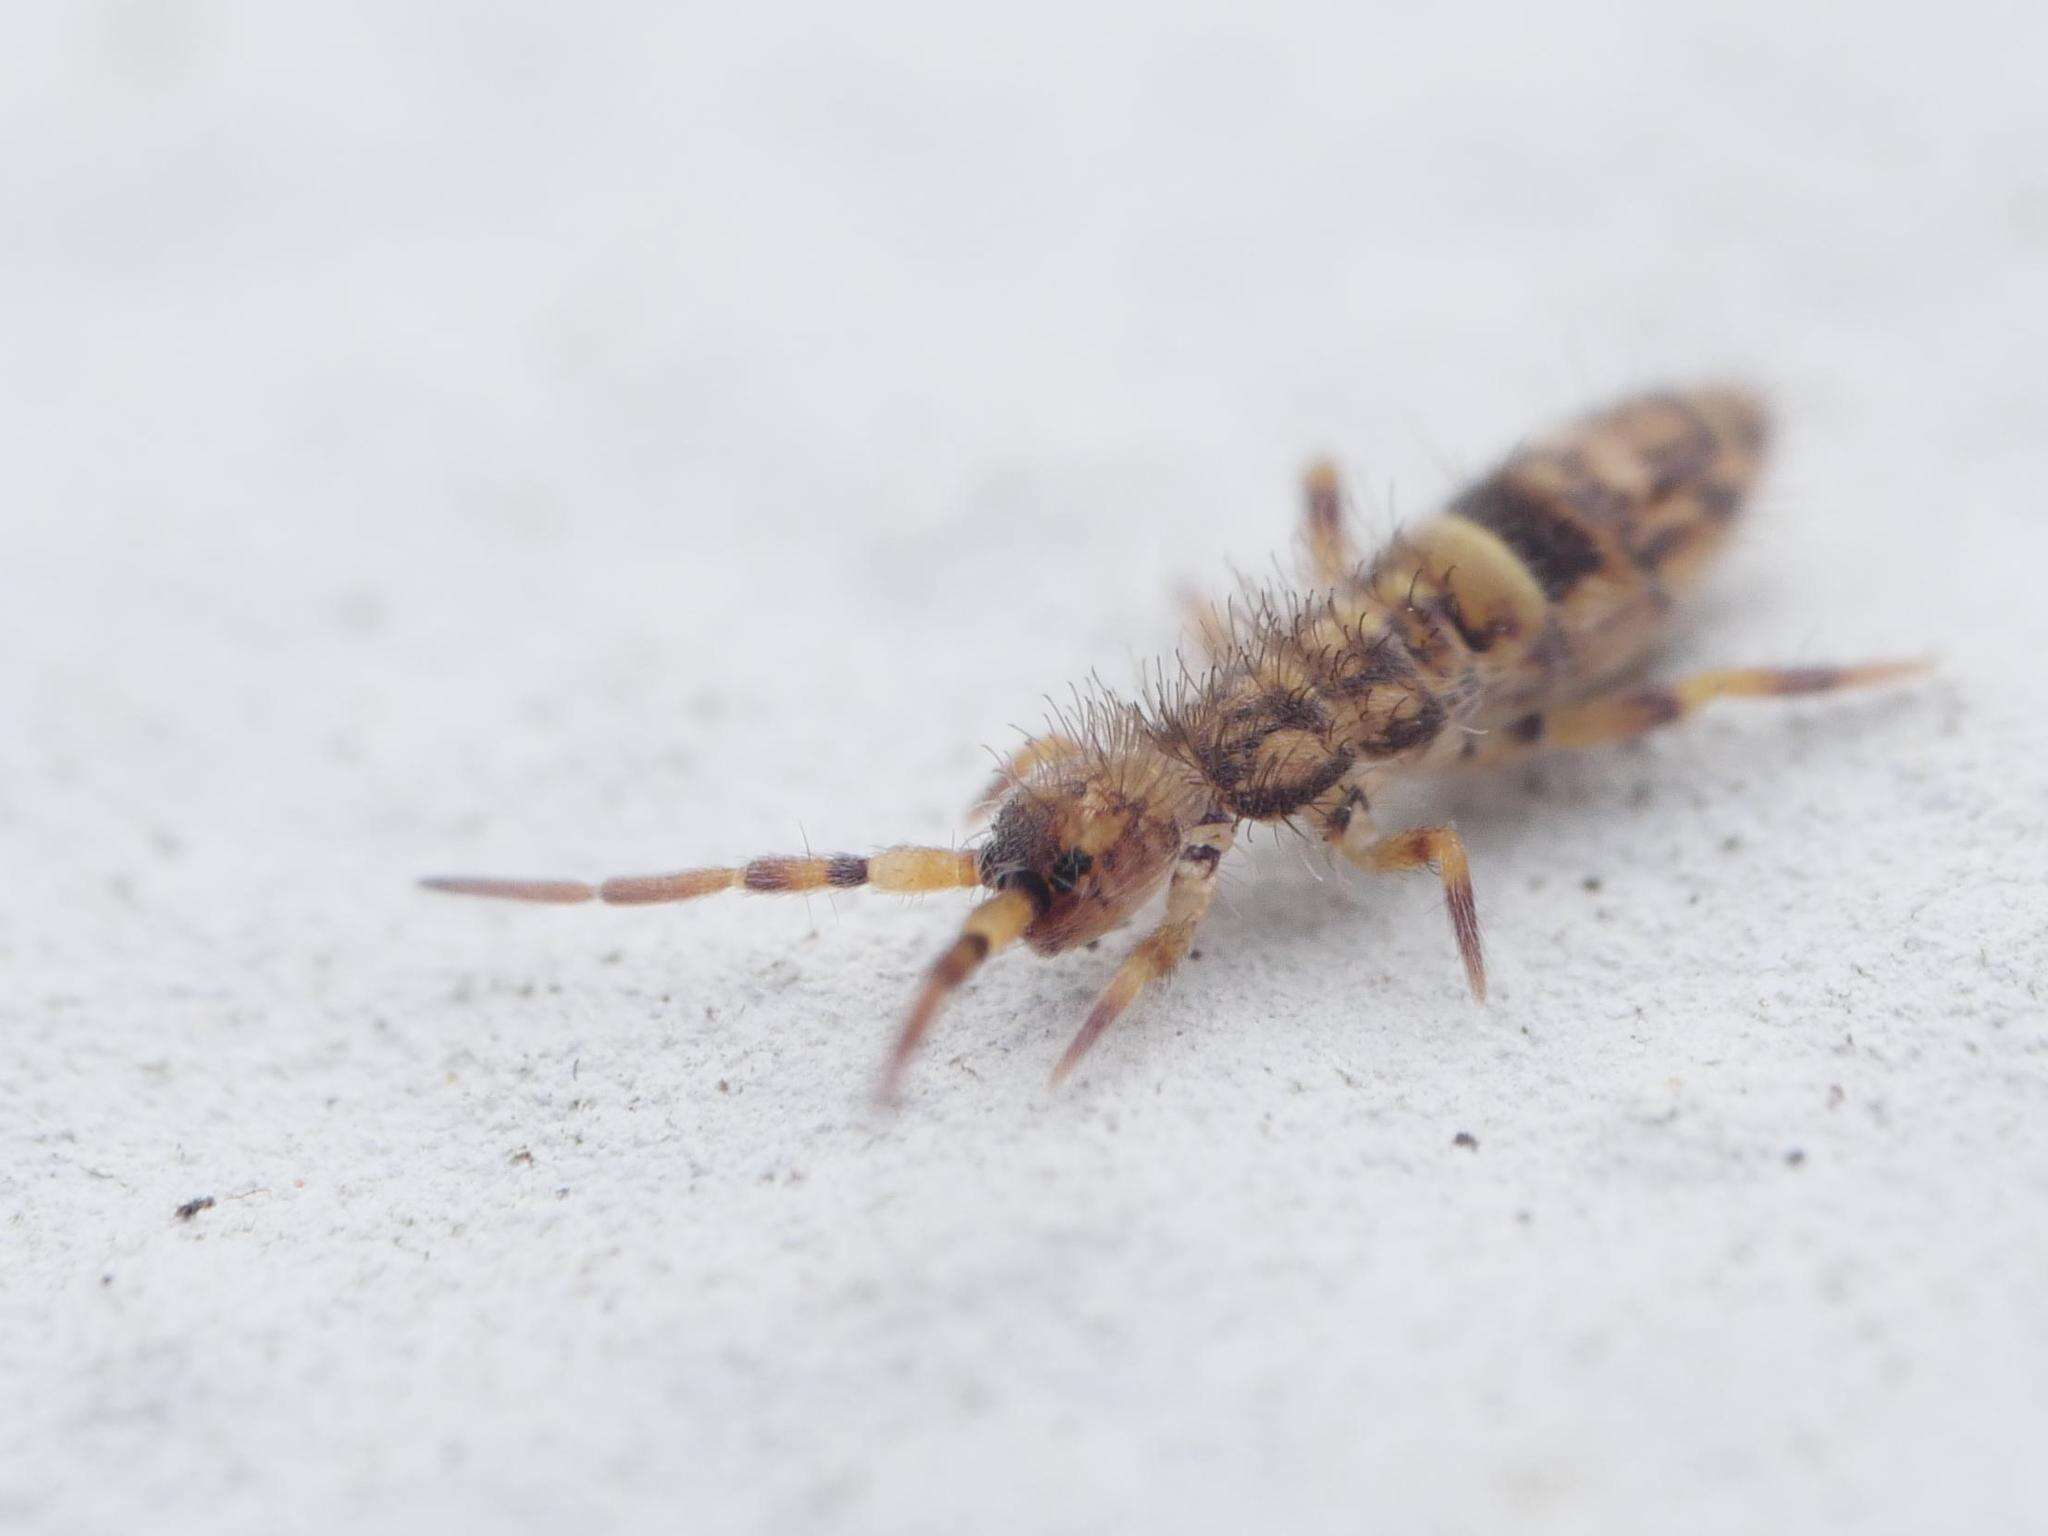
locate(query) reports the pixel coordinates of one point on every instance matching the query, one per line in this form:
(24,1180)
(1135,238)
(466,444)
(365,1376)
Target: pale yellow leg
(990,928)
(1188,896)
(1437,849)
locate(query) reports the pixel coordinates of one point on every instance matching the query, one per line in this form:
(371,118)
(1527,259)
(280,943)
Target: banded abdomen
(1556,572)
(1538,584)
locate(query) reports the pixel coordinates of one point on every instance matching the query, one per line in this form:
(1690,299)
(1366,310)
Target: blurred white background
(582,439)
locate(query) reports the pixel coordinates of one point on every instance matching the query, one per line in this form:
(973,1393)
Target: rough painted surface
(457,444)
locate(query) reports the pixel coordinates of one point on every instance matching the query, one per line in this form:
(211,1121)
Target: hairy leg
(1439,850)
(1188,896)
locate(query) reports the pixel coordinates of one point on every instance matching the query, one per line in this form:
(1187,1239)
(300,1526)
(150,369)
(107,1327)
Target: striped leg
(1188,896)
(1438,849)
(1633,711)
(990,928)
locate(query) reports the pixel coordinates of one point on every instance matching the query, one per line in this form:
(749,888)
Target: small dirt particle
(1467,1140)
(194,1206)
(1795,1158)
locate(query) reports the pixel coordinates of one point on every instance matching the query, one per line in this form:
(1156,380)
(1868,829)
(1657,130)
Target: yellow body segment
(1560,569)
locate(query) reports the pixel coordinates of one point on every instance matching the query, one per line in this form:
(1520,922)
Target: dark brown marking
(1404,732)
(1557,551)
(846,870)
(1479,639)
(1718,501)
(1267,800)
(769,875)
(1658,706)
(1426,638)
(1202,853)
(1678,464)
(960,962)
(1070,866)
(1227,752)
(1353,803)
(1597,499)
(1464,913)
(1551,652)
(1417,846)
(1351,670)
(1035,890)
(1805,680)
(1661,546)
(1325,504)
(1282,709)
(1527,729)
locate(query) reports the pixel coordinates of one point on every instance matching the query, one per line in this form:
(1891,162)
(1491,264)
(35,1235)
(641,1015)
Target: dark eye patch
(1068,869)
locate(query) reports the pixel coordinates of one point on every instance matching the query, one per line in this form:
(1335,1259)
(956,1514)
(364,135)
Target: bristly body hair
(1516,619)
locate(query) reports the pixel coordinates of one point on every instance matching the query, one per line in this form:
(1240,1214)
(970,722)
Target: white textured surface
(467,437)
